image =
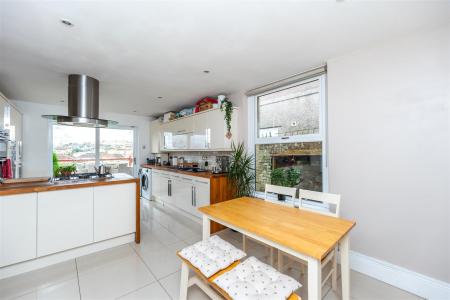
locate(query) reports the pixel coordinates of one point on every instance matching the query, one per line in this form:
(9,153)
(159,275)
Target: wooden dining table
(303,234)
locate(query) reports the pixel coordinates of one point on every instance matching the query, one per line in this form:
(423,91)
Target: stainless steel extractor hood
(83,104)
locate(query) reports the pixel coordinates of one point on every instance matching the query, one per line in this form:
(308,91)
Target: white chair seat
(211,255)
(255,280)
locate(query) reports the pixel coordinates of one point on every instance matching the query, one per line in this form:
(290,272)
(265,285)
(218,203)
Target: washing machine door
(144,181)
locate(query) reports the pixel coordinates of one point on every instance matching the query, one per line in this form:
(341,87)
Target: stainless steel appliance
(83,103)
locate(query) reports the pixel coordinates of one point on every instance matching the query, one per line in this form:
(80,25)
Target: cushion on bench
(253,279)
(211,255)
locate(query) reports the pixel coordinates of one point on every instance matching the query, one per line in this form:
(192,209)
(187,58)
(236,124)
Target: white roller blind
(286,81)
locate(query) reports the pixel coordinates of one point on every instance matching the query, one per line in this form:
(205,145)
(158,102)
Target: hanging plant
(227,107)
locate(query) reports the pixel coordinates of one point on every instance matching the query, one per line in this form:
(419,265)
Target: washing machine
(146,183)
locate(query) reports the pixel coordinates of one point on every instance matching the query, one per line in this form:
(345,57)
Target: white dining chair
(278,190)
(326,203)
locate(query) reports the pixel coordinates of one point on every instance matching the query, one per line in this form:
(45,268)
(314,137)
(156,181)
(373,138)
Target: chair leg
(334,270)
(244,244)
(280,261)
(184,281)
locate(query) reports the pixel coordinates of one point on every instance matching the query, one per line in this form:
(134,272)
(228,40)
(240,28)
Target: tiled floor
(151,269)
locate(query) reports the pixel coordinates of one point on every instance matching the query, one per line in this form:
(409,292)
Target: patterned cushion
(255,280)
(211,255)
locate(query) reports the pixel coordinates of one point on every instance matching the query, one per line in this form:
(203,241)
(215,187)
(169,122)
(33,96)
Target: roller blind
(286,81)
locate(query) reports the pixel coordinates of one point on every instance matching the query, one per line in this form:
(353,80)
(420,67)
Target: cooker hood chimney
(83,104)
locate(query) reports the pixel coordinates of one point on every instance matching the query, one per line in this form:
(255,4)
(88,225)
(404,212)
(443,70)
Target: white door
(183,194)
(17,228)
(65,220)
(114,210)
(201,195)
(159,186)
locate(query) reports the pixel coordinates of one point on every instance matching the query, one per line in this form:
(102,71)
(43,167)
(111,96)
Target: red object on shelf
(6,169)
(204,101)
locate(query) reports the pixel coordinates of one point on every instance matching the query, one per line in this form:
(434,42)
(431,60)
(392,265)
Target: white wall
(388,128)
(36,144)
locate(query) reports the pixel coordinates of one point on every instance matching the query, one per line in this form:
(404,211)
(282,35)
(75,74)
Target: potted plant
(227,107)
(285,177)
(241,172)
(68,170)
(55,165)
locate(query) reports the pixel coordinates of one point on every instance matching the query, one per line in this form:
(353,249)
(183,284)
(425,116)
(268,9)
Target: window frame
(254,140)
(97,145)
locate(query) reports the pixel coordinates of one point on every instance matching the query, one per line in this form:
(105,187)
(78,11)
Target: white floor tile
(171,284)
(112,273)
(164,261)
(152,291)
(28,282)
(67,290)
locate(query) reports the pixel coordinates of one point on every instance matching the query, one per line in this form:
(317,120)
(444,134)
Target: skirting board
(52,259)
(402,278)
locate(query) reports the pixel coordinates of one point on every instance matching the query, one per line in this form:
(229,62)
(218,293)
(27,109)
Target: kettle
(101,170)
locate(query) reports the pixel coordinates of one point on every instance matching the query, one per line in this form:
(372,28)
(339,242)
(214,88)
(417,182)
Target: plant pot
(281,197)
(228,135)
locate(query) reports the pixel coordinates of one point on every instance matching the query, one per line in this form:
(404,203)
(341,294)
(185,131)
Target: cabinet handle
(192,196)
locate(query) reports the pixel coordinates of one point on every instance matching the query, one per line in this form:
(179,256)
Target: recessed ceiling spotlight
(134,111)
(159,97)
(61,100)
(66,22)
(206,71)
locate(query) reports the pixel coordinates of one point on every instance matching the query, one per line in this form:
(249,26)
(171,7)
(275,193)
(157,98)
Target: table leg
(314,279)
(345,267)
(206,227)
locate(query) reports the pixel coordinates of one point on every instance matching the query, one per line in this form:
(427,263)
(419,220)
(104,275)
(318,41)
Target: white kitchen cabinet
(155,128)
(114,210)
(204,131)
(3,105)
(160,186)
(17,228)
(201,195)
(182,191)
(65,220)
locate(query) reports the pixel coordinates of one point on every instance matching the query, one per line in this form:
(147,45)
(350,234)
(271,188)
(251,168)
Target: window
(89,147)
(287,135)
(116,149)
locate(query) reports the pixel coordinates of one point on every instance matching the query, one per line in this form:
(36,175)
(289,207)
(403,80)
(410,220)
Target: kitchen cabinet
(204,131)
(17,228)
(184,192)
(155,128)
(65,220)
(160,186)
(114,211)
(201,195)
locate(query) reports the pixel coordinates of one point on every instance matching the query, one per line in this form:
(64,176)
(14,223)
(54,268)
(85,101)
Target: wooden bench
(207,284)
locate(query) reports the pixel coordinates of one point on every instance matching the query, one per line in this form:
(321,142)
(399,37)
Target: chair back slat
(281,190)
(326,198)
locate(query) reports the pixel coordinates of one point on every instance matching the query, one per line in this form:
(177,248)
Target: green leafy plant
(55,165)
(227,107)
(67,170)
(292,177)
(277,177)
(241,172)
(285,177)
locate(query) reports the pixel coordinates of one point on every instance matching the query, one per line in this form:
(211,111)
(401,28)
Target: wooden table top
(309,233)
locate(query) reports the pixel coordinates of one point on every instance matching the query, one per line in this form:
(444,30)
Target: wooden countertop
(304,232)
(207,174)
(23,188)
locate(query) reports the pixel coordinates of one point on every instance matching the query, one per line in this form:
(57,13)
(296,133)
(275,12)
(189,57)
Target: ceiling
(142,50)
